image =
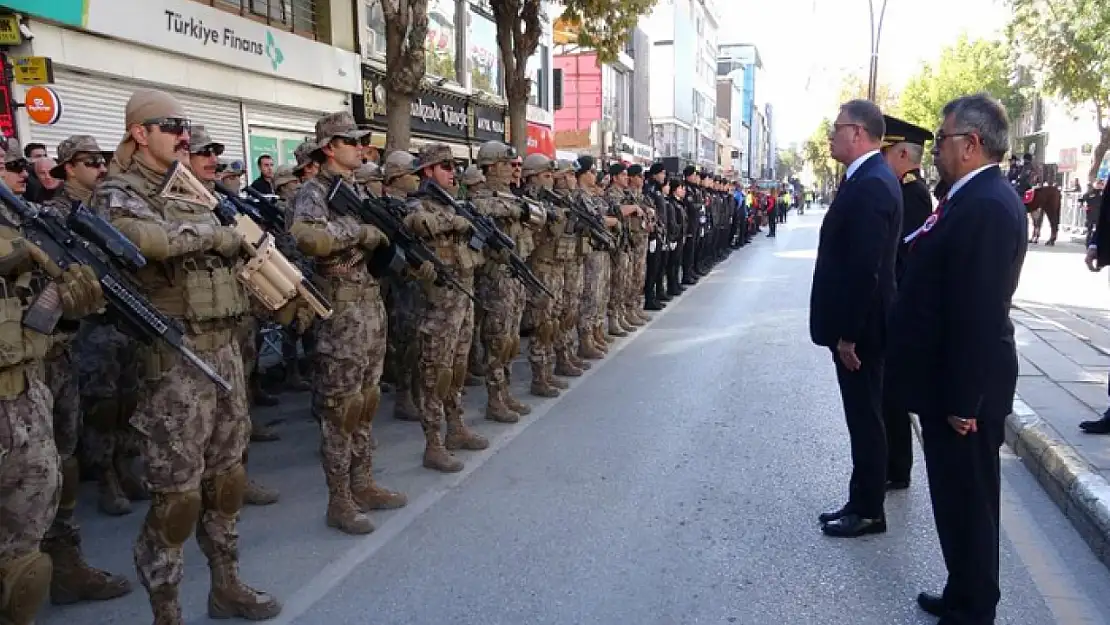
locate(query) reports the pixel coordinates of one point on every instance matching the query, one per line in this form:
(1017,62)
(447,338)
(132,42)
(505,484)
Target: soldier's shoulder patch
(909,177)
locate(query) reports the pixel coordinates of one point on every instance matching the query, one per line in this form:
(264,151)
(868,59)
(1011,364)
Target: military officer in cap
(308,160)
(903,146)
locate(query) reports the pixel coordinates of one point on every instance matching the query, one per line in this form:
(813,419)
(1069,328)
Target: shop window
(483,59)
(374,41)
(295,16)
(439,46)
(538,66)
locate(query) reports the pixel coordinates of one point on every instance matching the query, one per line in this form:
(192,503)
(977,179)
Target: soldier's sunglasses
(170,125)
(210,150)
(94,162)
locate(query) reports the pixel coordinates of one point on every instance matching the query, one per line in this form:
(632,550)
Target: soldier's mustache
(182,145)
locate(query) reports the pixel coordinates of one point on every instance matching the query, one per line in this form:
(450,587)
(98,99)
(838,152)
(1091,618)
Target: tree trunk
(1100,153)
(398,121)
(518,122)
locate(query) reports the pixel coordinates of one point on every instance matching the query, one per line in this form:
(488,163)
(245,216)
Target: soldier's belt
(340,265)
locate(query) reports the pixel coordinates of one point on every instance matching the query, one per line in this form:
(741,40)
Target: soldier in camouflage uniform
(307,163)
(287,182)
(472,181)
(621,206)
(446,321)
(81,165)
(350,346)
(192,435)
(568,346)
(203,157)
(369,175)
(501,295)
(596,269)
(640,229)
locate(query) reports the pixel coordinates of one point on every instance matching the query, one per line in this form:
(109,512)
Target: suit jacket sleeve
(977,282)
(917,205)
(871,218)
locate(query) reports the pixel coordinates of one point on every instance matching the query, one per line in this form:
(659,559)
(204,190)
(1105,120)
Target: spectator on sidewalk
(1098,256)
(264,183)
(1091,201)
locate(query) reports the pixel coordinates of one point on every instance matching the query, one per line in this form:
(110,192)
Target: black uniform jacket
(917,205)
(950,342)
(853,279)
(1101,236)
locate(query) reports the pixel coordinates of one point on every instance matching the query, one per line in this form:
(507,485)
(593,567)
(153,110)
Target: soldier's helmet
(400,163)
(340,124)
(472,176)
(495,152)
(71,147)
(434,154)
(367,173)
(563,167)
(11,150)
(303,154)
(284,175)
(199,139)
(536,164)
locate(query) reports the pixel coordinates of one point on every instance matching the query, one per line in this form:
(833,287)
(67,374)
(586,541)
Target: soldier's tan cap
(284,175)
(536,164)
(71,147)
(11,150)
(339,124)
(399,163)
(492,152)
(144,105)
(435,153)
(564,167)
(200,139)
(368,172)
(303,154)
(472,176)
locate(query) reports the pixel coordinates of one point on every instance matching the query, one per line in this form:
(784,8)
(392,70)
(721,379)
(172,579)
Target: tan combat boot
(366,493)
(436,456)
(549,377)
(496,409)
(541,386)
(112,501)
(516,405)
(229,597)
(565,366)
(73,579)
(404,409)
(263,433)
(459,436)
(602,337)
(574,359)
(256,494)
(166,606)
(26,584)
(616,328)
(587,348)
(343,514)
(625,319)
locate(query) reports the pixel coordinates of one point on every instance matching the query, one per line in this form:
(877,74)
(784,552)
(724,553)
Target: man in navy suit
(853,287)
(951,353)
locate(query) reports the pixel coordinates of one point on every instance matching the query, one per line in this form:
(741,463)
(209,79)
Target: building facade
(730,106)
(671,104)
(742,63)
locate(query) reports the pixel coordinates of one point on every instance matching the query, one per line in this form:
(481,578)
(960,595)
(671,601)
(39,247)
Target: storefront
(257,88)
(436,116)
(541,131)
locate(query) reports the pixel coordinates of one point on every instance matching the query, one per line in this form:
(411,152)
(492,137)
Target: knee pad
(71,478)
(371,397)
(173,516)
(224,492)
(499,347)
(342,412)
(24,585)
(545,331)
(458,375)
(443,383)
(103,415)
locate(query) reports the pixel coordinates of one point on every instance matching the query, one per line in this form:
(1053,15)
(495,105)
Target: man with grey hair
(853,287)
(952,358)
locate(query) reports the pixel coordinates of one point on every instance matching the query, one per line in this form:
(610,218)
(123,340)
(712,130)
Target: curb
(1081,493)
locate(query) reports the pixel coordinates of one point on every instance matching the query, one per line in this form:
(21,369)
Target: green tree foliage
(1068,42)
(519,27)
(788,164)
(854,87)
(604,25)
(815,154)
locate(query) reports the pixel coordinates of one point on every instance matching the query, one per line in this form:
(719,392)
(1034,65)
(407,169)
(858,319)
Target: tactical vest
(557,241)
(343,277)
(200,287)
(19,347)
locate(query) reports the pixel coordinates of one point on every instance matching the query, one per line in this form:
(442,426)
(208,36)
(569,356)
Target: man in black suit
(951,353)
(1098,256)
(903,147)
(853,286)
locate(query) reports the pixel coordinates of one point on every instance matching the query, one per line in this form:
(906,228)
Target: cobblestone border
(1081,493)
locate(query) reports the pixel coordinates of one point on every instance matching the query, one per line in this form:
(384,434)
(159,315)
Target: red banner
(541,140)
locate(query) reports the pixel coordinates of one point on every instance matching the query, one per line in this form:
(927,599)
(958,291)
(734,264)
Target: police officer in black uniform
(693,205)
(903,146)
(654,293)
(677,237)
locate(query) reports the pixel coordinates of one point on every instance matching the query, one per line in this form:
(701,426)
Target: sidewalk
(1064,357)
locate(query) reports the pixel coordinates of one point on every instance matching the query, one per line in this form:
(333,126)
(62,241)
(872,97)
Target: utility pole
(876,35)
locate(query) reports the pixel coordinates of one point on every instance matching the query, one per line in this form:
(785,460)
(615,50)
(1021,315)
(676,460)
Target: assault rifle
(98,240)
(594,226)
(531,211)
(387,216)
(487,234)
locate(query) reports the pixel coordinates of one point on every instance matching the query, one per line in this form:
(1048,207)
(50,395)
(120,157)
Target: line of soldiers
(534,238)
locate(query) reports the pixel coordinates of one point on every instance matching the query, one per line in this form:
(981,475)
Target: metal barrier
(1073,216)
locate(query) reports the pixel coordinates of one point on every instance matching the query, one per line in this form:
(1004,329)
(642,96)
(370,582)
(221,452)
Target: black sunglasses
(94,162)
(16,166)
(170,125)
(210,150)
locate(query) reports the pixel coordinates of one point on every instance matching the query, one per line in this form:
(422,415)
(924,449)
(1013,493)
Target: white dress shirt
(962,181)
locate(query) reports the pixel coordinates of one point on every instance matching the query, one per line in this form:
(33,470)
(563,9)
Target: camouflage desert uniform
(568,344)
(73,579)
(502,296)
(350,350)
(596,277)
(192,434)
(634,293)
(622,261)
(445,324)
(30,475)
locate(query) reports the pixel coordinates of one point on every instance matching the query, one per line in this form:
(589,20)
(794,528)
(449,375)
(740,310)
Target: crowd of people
(418,276)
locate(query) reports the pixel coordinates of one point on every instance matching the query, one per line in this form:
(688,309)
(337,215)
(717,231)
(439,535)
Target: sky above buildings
(808,45)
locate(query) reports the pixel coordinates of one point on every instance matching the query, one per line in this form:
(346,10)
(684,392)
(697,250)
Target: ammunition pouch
(566,248)
(343,412)
(209,290)
(17,344)
(172,516)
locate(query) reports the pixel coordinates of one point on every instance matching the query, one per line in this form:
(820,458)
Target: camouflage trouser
(350,355)
(566,341)
(595,296)
(618,281)
(109,370)
(248,343)
(502,298)
(476,359)
(193,437)
(446,324)
(30,479)
(405,298)
(546,313)
(634,294)
(61,379)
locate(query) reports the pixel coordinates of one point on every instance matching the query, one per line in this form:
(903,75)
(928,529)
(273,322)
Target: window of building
(483,60)
(374,27)
(295,16)
(537,73)
(439,46)
(623,102)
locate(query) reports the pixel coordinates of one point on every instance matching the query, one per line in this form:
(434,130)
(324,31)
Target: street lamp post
(876,34)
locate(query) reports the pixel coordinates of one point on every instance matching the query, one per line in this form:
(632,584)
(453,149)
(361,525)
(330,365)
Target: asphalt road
(677,483)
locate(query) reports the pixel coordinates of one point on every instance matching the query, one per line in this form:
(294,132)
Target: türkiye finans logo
(273,52)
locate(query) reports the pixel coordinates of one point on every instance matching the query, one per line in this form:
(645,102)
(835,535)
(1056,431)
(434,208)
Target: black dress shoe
(829,517)
(933,604)
(1101,426)
(653,306)
(897,484)
(853,525)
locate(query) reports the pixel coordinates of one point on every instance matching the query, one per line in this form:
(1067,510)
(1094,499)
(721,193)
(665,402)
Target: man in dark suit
(951,353)
(1098,256)
(853,286)
(903,147)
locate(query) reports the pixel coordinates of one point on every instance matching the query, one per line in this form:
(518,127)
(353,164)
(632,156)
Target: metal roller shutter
(291,120)
(94,105)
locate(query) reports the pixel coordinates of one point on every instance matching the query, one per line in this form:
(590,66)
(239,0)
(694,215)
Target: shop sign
(541,140)
(68,12)
(192,29)
(33,70)
(487,123)
(429,113)
(9,31)
(43,105)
